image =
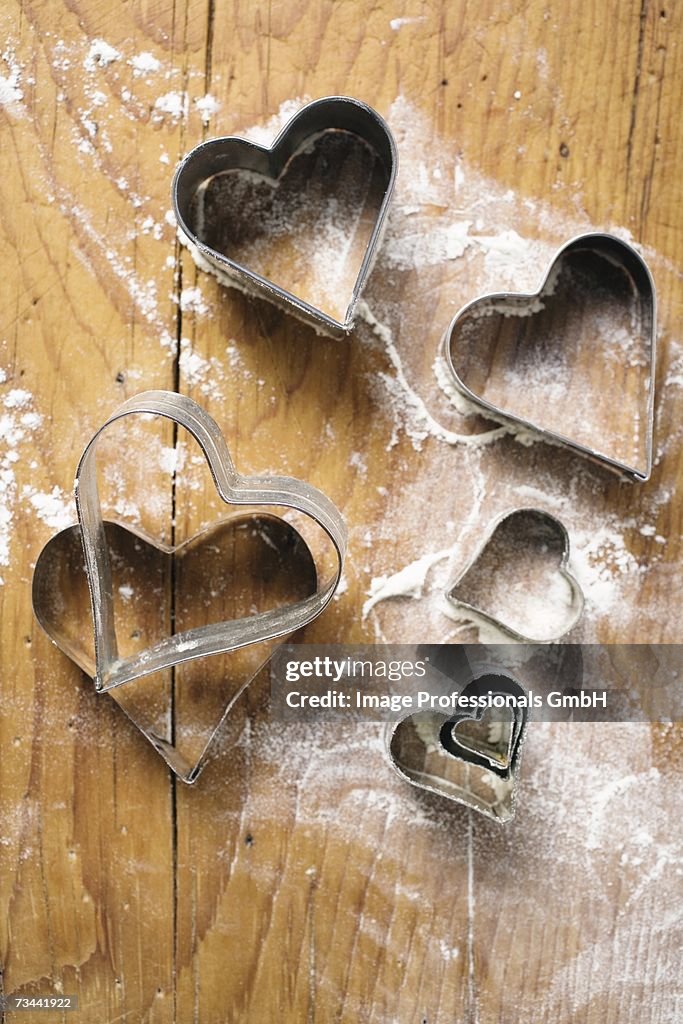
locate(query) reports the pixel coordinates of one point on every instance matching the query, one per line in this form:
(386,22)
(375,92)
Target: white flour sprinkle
(17,398)
(173,105)
(143,294)
(54,508)
(11,92)
(100,55)
(603,566)
(397,23)
(265,133)
(407,582)
(171,460)
(191,300)
(169,342)
(144,64)
(204,374)
(151,227)
(18,423)
(417,420)
(207,106)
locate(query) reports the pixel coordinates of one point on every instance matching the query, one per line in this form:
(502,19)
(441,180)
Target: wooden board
(299,880)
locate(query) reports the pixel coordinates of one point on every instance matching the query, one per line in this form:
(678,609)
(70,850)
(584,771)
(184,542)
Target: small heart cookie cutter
(622,255)
(558,532)
(338,113)
(111,670)
(489,784)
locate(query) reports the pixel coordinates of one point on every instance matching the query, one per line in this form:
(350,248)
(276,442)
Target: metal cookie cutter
(468,757)
(544,533)
(216,156)
(111,670)
(621,255)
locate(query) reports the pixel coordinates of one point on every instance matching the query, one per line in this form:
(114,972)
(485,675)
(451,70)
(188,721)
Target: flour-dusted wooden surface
(299,880)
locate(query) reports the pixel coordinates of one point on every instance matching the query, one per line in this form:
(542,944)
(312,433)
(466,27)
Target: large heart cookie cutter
(112,670)
(618,253)
(428,750)
(550,534)
(216,156)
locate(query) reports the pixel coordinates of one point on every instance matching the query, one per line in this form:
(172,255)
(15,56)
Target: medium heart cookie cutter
(555,531)
(112,670)
(216,156)
(621,255)
(425,749)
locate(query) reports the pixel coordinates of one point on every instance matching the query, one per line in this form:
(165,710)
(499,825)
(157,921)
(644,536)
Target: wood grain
(299,881)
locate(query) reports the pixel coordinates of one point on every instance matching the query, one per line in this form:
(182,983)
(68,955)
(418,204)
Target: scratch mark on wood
(636,86)
(471,979)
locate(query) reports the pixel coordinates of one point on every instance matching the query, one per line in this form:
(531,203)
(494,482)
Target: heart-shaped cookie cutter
(338,113)
(621,254)
(577,602)
(496,775)
(111,670)
(486,757)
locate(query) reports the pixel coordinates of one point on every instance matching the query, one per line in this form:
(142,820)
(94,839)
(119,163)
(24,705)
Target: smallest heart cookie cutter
(111,670)
(627,259)
(550,534)
(232,153)
(479,770)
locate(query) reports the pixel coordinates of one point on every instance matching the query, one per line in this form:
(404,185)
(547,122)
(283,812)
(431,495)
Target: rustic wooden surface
(265,893)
